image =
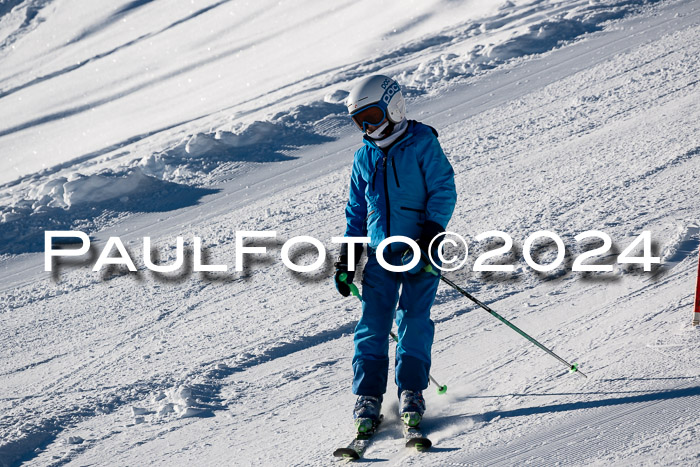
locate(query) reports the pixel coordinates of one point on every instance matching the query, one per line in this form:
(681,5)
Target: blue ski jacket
(395,192)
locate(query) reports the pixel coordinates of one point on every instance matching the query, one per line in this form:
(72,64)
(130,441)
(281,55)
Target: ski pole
(441,388)
(572,368)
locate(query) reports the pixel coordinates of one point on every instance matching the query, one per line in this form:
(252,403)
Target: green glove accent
(353,288)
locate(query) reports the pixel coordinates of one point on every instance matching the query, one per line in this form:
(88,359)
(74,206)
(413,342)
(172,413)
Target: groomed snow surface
(203,118)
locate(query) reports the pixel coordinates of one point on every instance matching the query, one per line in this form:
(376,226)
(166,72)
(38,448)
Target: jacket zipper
(396,176)
(374,175)
(388,207)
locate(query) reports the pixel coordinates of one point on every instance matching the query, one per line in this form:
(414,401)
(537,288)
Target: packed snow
(207,118)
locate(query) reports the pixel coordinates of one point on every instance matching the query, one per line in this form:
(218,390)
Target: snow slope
(248,367)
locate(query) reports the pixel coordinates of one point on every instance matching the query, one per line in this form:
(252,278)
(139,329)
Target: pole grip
(353,288)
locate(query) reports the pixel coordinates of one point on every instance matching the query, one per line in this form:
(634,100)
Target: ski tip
(346,453)
(421,444)
(442,389)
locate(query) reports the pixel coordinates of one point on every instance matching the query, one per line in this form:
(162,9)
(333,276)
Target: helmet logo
(390,88)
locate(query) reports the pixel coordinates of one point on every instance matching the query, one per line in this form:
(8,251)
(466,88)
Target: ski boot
(411,407)
(366,413)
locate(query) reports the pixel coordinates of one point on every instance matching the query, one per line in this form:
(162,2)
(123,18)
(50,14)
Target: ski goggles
(373,115)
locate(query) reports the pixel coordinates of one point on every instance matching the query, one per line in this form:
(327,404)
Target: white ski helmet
(375,98)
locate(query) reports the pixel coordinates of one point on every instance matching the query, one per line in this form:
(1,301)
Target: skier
(401,184)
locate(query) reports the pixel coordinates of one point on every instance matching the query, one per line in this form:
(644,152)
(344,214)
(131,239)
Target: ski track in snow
(250,367)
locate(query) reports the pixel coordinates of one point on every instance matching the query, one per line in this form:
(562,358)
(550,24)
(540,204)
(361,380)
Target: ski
(415,438)
(358,446)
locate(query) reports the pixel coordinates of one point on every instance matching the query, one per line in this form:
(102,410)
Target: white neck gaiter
(398,131)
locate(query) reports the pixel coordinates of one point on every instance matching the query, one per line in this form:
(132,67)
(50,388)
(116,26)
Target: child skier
(401,184)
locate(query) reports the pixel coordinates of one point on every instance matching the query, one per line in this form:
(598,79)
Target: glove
(430,230)
(341,267)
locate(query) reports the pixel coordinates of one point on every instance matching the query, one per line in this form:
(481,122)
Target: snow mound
(177,401)
(74,440)
(195,158)
(514,32)
(106,187)
(81,190)
(88,203)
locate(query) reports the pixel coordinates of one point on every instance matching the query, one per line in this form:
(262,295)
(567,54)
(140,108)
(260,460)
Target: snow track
(619,430)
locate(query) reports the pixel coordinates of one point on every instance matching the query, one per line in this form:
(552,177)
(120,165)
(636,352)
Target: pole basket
(696,301)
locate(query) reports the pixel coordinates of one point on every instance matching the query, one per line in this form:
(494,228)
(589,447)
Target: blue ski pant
(380,293)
